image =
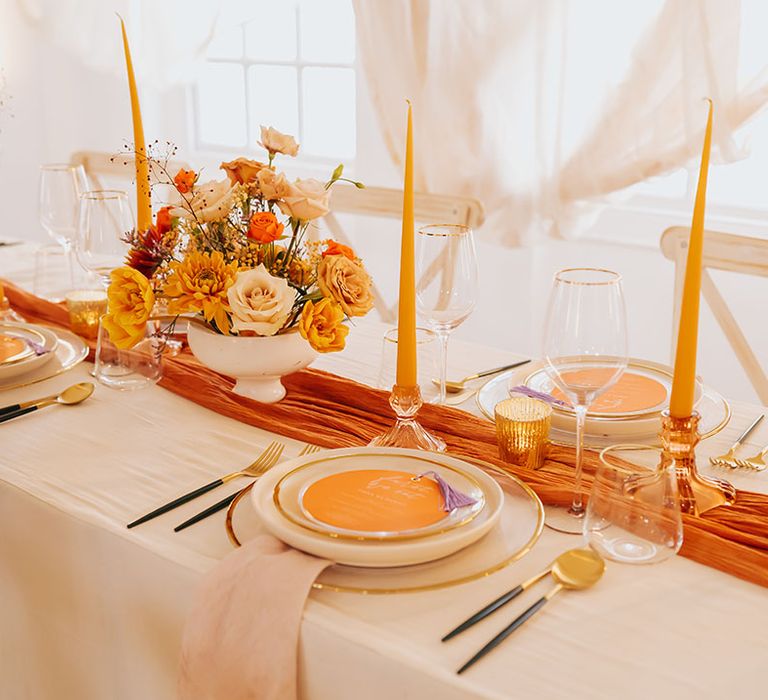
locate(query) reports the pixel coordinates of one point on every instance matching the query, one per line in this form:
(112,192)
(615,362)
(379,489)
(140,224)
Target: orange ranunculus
(263,227)
(163,221)
(336,248)
(321,325)
(185,180)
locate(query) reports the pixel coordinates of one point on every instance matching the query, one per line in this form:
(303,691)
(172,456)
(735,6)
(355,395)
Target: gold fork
(308,449)
(757,462)
(224,502)
(269,457)
(729,458)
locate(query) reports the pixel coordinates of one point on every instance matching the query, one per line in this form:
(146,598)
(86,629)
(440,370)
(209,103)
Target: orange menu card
(10,347)
(633,392)
(374,500)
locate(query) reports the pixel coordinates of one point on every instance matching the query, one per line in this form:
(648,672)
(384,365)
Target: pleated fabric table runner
(331,411)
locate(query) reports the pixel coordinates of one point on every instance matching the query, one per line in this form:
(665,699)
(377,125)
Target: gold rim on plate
(498,566)
(375,538)
(77,357)
(727,411)
(20,357)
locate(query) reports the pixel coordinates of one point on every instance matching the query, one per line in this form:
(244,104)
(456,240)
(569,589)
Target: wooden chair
(722,251)
(388,203)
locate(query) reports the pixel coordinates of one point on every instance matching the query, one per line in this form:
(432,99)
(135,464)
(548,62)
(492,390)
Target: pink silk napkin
(241,639)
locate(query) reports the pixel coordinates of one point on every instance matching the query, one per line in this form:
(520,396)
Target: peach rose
(321,325)
(273,186)
(347,282)
(276,142)
(260,302)
(211,201)
(242,171)
(305,200)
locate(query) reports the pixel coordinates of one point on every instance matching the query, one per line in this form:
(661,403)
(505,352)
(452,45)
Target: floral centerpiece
(236,254)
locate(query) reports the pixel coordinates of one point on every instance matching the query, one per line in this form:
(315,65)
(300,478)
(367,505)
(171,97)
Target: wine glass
(104,218)
(446,291)
(585,353)
(61,185)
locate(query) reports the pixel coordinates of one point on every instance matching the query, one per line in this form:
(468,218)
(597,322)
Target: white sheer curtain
(168,37)
(538,107)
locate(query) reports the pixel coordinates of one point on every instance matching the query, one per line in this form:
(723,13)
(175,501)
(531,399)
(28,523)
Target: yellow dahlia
(199,284)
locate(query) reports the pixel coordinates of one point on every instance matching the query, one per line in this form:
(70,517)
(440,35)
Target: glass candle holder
(522,430)
(85,308)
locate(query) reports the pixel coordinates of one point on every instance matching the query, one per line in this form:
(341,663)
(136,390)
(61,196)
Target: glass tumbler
(134,368)
(642,528)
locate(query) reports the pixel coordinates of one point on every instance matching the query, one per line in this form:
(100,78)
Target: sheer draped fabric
(508,111)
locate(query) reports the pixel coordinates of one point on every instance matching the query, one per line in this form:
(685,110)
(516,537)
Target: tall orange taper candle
(406,321)
(684,381)
(143,197)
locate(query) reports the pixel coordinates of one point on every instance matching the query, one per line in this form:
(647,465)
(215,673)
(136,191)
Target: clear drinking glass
(643,527)
(104,217)
(446,287)
(61,185)
(585,353)
(135,368)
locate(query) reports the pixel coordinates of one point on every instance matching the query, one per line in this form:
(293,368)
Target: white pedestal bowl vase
(256,363)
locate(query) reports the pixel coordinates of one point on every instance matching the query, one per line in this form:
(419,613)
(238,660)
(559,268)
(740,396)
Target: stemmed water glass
(446,288)
(585,353)
(104,218)
(61,185)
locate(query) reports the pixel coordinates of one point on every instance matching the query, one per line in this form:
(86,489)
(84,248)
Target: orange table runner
(331,411)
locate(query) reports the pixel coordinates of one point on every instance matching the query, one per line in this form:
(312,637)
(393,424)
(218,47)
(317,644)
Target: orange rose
(336,248)
(264,227)
(185,180)
(163,221)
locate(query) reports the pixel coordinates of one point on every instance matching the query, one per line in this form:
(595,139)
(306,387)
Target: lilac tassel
(532,393)
(39,349)
(452,499)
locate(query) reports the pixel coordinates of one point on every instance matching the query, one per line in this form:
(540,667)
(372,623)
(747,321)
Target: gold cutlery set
(729,459)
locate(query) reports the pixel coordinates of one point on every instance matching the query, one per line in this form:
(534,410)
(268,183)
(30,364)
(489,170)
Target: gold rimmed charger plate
(70,351)
(439,528)
(462,567)
(714,408)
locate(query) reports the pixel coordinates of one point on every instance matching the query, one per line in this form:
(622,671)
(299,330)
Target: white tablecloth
(91,610)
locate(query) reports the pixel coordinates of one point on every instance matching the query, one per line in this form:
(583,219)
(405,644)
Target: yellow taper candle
(684,380)
(143,198)
(406,321)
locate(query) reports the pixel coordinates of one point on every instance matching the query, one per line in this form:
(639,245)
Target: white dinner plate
(285,523)
(42,342)
(70,351)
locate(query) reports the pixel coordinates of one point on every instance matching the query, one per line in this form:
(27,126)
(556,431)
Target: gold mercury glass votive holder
(85,308)
(522,430)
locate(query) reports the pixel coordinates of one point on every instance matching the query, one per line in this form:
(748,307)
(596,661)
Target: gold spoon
(456,387)
(573,570)
(69,397)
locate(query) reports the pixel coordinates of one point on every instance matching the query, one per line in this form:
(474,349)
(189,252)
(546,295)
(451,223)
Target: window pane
(327,31)
(274,101)
(221,105)
(329,112)
(271,34)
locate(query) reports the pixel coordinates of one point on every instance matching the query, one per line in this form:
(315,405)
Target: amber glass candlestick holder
(698,494)
(407,432)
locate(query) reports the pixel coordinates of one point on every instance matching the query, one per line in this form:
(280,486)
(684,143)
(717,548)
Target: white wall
(60,106)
